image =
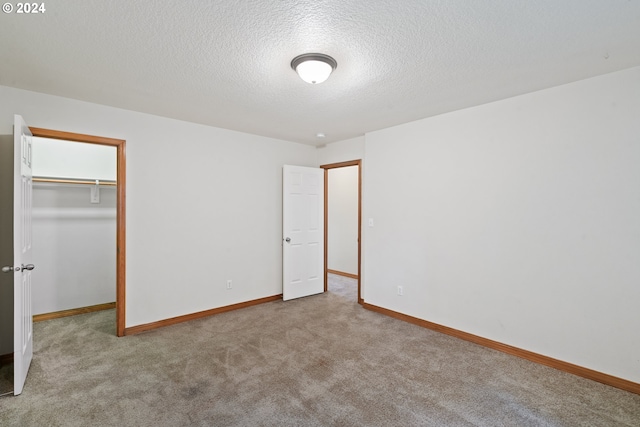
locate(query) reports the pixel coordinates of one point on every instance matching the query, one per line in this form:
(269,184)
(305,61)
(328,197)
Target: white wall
(203,204)
(65,159)
(518,221)
(342,220)
(74,244)
(341,151)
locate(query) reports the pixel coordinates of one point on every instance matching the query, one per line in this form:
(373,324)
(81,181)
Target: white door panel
(303,229)
(22,256)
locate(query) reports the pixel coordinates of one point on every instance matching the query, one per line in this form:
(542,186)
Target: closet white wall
(74,239)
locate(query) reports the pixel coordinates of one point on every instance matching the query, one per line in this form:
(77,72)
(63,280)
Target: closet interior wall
(74,237)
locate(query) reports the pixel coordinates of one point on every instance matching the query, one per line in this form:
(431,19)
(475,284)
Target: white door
(22,254)
(303,232)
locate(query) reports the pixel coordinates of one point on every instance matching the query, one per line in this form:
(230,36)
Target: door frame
(326,168)
(121,258)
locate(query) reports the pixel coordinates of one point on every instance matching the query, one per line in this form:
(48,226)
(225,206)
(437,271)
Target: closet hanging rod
(73,181)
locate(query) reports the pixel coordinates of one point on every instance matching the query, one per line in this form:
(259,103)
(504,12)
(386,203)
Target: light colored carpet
(316,361)
(6,379)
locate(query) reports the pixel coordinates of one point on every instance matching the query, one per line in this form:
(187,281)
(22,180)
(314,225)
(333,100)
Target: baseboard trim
(6,359)
(73,312)
(514,351)
(342,273)
(187,317)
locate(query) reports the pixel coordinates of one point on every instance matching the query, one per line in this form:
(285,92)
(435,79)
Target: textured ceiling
(227,63)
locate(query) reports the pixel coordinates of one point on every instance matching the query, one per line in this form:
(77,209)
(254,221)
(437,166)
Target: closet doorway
(342,236)
(93,192)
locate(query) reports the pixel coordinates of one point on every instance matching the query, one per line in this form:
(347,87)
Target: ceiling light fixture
(314,68)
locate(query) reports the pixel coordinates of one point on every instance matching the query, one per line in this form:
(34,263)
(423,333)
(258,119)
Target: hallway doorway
(343,222)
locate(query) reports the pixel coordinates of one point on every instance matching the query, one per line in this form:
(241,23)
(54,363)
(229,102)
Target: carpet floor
(317,361)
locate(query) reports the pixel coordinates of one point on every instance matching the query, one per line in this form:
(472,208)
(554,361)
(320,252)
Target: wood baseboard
(174,320)
(342,273)
(524,354)
(73,312)
(6,359)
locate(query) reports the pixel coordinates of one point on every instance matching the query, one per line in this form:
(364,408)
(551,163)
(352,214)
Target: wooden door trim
(121,258)
(326,168)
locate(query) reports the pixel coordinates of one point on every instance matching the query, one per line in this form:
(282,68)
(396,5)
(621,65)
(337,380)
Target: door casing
(121,259)
(326,168)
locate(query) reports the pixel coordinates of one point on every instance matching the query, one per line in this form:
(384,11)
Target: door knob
(288,240)
(9,268)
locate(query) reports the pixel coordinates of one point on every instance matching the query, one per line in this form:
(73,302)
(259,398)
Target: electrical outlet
(400,291)
(229,284)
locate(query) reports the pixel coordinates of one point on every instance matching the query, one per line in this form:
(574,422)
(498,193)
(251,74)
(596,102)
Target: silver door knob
(288,240)
(9,268)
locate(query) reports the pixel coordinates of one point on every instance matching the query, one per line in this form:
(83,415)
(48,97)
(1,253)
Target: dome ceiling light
(314,68)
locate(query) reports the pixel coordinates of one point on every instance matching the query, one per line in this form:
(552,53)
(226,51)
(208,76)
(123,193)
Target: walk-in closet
(74,225)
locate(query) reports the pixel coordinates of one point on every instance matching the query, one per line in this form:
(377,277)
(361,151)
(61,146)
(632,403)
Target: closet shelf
(73,181)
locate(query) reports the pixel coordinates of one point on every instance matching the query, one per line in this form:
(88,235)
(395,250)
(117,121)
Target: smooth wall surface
(518,221)
(342,151)
(342,221)
(66,159)
(74,244)
(204,205)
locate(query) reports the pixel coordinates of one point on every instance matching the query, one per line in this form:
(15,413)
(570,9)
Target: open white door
(22,254)
(303,232)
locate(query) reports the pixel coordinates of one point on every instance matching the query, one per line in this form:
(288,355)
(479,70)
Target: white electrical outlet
(400,291)
(229,284)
